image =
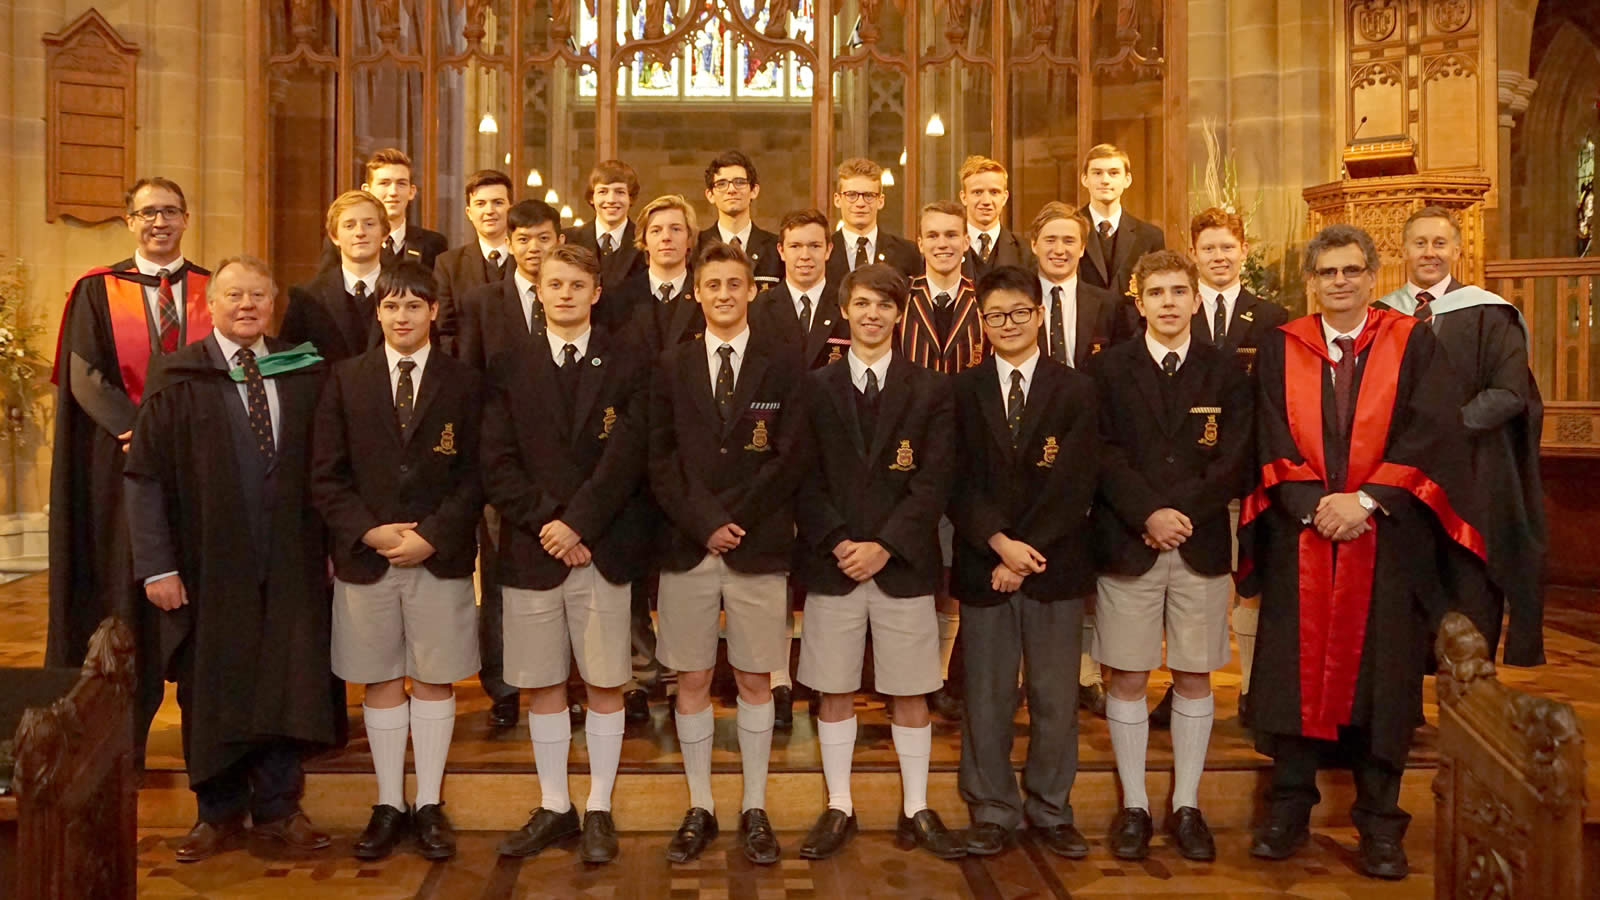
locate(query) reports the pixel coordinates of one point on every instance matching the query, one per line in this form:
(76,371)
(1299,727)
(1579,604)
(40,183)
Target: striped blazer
(920,341)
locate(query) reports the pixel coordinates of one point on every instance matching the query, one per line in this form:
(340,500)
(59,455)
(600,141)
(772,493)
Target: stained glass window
(1585,210)
(714,64)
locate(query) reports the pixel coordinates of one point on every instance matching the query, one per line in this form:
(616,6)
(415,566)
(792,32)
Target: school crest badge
(759,441)
(608,422)
(1047,459)
(904,459)
(1094,348)
(833,354)
(447,440)
(1208,438)
(1248,355)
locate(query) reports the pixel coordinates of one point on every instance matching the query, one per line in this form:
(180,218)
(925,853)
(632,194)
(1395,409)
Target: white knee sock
(694,739)
(433,722)
(838,742)
(949,627)
(552,738)
(1244,631)
(386,735)
(914,746)
(1191,733)
(1088,669)
(755,749)
(1129,721)
(603,736)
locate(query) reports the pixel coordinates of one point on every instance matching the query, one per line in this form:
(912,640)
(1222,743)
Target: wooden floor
(490,788)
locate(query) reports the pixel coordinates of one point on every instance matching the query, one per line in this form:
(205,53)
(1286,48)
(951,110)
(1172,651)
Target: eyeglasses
(152,213)
(1020,316)
(1350,273)
(724,185)
(860,196)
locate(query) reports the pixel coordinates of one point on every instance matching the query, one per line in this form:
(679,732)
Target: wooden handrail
(1550,267)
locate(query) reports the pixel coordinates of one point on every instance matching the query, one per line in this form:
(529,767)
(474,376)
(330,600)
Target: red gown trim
(130,328)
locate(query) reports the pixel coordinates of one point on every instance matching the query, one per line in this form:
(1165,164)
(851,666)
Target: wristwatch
(1366,501)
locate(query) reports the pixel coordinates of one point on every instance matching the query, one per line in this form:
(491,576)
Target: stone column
(1515,90)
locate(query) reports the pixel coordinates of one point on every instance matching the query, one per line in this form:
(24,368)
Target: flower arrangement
(1276,280)
(22,369)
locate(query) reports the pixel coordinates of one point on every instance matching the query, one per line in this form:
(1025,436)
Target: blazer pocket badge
(1047,459)
(759,441)
(608,422)
(1208,438)
(1248,355)
(447,440)
(904,460)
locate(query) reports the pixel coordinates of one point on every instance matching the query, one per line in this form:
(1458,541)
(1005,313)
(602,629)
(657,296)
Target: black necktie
(567,373)
(665,292)
(1105,232)
(535,312)
(871,390)
(260,413)
(724,391)
(983,246)
(944,315)
(1108,242)
(1169,363)
(606,244)
(1344,372)
(1058,330)
(494,272)
(861,252)
(805,312)
(1219,323)
(1014,404)
(359,291)
(405,394)
(1423,311)
(736,242)
(392,245)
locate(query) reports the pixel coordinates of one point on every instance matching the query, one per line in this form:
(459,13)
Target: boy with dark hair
(458,270)
(1029,462)
(732,188)
(1118,239)
(500,316)
(395,476)
(803,305)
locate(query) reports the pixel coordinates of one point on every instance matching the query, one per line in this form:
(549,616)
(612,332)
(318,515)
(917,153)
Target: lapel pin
(595,362)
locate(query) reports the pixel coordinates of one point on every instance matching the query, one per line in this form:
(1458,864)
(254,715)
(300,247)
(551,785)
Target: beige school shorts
(905,642)
(688,607)
(1132,612)
(408,623)
(585,618)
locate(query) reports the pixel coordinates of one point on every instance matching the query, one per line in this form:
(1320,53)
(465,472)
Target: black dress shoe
(383,832)
(207,839)
(1063,840)
(636,706)
(833,830)
(1130,833)
(504,711)
(1161,716)
(926,830)
(1093,698)
(987,839)
(1279,840)
(757,839)
(599,837)
(698,830)
(1244,710)
(1190,835)
(946,705)
(1383,857)
(782,707)
(544,829)
(436,837)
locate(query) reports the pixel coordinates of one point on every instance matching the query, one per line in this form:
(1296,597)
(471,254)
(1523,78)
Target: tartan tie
(405,394)
(260,413)
(1058,330)
(1014,403)
(861,252)
(167,312)
(1423,310)
(724,392)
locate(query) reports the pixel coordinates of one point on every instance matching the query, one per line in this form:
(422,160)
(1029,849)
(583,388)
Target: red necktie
(1344,372)
(167,308)
(1423,311)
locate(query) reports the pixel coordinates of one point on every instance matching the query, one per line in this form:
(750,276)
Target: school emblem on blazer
(833,354)
(1047,459)
(1094,348)
(1208,438)
(608,422)
(447,440)
(1248,355)
(758,438)
(904,460)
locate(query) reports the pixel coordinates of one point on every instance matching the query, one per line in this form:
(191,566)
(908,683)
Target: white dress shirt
(418,356)
(1005,369)
(975,234)
(1229,297)
(1115,218)
(850,238)
(504,249)
(558,345)
(396,241)
(229,351)
(527,295)
(152,292)
(1069,312)
(743,236)
(714,359)
(813,293)
(370,280)
(1437,291)
(859,369)
(1328,334)
(616,235)
(677,285)
(1159,351)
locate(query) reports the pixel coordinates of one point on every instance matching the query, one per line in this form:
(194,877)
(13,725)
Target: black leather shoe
(599,837)
(636,706)
(1063,840)
(1161,716)
(1190,835)
(698,830)
(1383,857)
(1130,833)
(504,711)
(1093,698)
(946,705)
(833,830)
(757,839)
(544,829)
(926,830)
(207,839)
(782,707)
(987,839)
(383,832)
(1279,840)
(436,837)
(1244,710)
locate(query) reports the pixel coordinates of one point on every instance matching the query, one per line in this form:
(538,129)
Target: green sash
(297,357)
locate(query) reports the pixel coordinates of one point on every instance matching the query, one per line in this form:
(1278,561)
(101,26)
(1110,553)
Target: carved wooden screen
(543,88)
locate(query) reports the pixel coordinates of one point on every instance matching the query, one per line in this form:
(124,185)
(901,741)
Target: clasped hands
(1341,517)
(1018,560)
(861,560)
(399,543)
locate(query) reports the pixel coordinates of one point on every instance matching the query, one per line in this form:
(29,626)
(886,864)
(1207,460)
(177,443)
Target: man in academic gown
(232,552)
(613,186)
(985,189)
(1119,238)
(1485,340)
(1363,480)
(337,310)
(117,319)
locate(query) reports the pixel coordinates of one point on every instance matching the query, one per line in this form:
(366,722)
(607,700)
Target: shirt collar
(504,247)
(616,234)
(814,292)
(1437,291)
(523,284)
(146,267)
(858,369)
(850,235)
(418,356)
(1115,218)
(935,290)
(558,344)
(230,349)
(370,280)
(677,285)
(743,236)
(397,236)
(1328,334)
(739,342)
(1027,368)
(1069,288)
(1159,351)
(993,231)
